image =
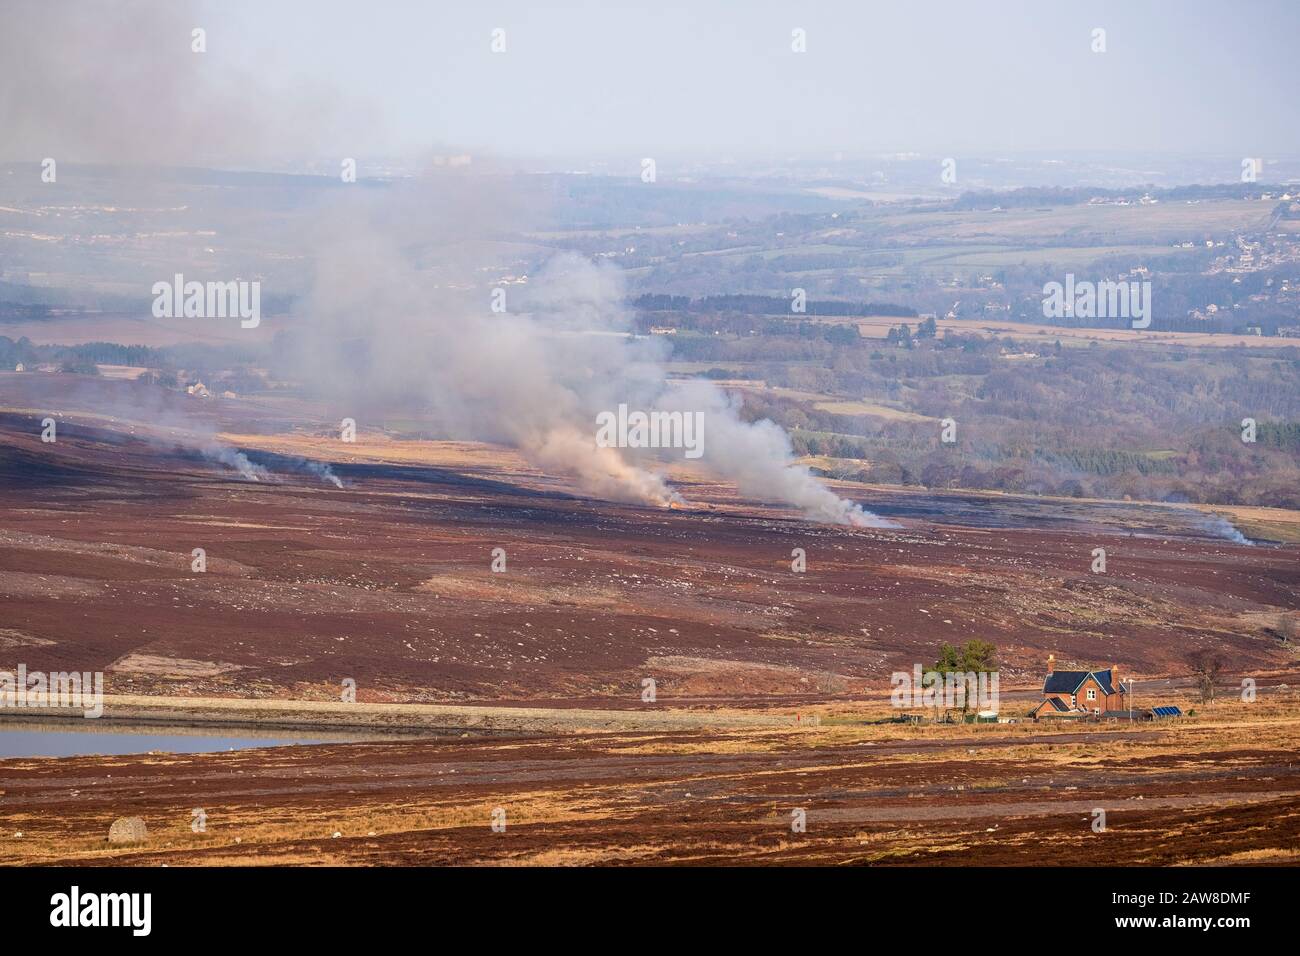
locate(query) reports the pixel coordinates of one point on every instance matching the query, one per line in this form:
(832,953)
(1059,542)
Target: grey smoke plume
(254,471)
(1221,527)
(234,459)
(400,312)
(324,472)
(759,458)
(159,419)
(117,81)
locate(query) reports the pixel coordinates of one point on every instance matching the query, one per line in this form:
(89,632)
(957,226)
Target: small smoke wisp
(1221,527)
(248,470)
(323,471)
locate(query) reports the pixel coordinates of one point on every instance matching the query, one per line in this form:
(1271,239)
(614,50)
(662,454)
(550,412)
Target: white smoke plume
(399,311)
(324,472)
(759,458)
(393,318)
(1221,527)
(237,460)
(117,81)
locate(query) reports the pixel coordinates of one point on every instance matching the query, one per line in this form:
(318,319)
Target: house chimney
(1051,663)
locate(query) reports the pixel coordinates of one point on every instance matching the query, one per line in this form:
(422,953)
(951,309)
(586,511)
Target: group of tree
(973,657)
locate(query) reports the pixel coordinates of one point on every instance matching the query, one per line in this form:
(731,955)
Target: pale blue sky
(673,79)
(708,76)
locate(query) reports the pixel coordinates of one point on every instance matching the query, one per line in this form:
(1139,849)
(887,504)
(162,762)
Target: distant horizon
(588,162)
(1007,78)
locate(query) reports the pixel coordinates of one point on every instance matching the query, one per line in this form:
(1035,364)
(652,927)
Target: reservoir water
(43,741)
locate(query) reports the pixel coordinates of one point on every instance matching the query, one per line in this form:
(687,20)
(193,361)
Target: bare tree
(1288,628)
(1206,667)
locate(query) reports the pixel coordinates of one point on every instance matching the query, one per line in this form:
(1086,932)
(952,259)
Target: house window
(1092,695)
(1096,711)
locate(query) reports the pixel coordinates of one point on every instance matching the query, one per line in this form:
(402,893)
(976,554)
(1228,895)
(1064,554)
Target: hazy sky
(695,78)
(682,77)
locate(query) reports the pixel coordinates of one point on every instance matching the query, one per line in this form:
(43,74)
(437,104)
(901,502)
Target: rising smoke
(391,320)
(398,313)
(118,82)
(235,459)
(1221,527)
(324,472)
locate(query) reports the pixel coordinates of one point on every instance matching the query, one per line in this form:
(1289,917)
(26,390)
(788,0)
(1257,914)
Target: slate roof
(1067,682)
(1063,682)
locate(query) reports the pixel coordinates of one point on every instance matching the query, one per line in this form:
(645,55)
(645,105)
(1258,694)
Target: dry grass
(382,449)
(946,791)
